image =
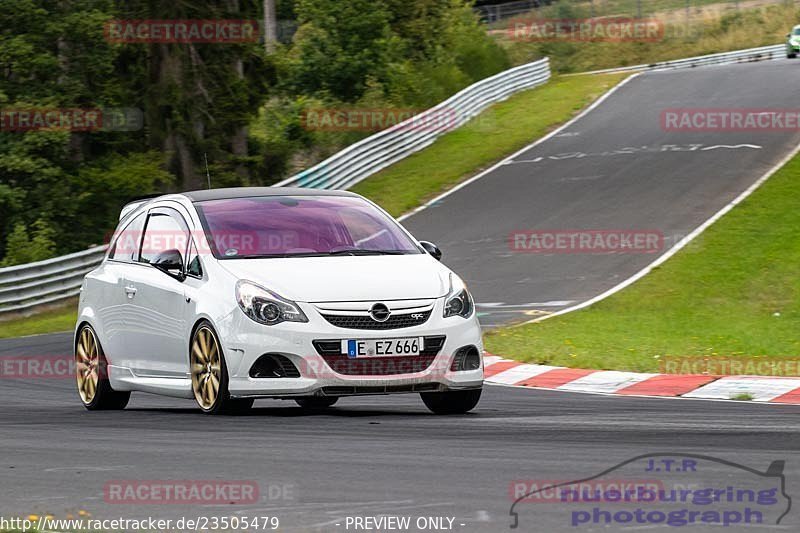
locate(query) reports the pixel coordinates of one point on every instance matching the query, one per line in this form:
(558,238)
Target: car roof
(249,192)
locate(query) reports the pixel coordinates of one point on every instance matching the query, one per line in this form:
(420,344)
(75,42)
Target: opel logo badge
(380,313)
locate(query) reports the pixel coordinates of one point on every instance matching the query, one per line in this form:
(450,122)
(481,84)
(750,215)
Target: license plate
(355,348)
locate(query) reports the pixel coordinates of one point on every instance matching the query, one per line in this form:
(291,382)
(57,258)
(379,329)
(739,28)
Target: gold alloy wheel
(206,367)
(87,359)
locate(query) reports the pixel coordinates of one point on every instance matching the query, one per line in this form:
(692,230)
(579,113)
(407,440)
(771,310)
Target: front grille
(366,322)
(330,350)
(389,389)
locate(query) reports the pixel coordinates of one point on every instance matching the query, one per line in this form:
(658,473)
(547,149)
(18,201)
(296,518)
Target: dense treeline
(236,104)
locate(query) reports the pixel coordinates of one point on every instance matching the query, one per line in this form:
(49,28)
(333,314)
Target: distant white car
(793,42)
(229,295)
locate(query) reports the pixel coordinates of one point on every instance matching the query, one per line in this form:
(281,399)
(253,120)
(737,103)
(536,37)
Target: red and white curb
(501,371)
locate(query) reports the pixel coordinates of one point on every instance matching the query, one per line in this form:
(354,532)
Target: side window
(126,243)
(165,230)
(194,267)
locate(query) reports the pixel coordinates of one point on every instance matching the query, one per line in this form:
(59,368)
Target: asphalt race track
(367,456)
(390,456)
(614,169)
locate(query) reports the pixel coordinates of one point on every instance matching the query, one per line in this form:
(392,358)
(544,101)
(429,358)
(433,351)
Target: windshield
(300,226)
(796,31)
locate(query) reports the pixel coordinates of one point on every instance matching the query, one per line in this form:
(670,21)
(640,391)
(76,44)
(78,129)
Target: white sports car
(228,295)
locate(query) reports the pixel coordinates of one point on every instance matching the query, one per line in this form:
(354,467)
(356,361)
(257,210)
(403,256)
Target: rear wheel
(452,402)
(316,402)
(791,56)
(210,375)
(92,375)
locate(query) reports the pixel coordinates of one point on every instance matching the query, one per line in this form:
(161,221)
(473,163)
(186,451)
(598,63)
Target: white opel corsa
(228,295)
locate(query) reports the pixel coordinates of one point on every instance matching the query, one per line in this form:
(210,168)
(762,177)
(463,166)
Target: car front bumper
(245,341)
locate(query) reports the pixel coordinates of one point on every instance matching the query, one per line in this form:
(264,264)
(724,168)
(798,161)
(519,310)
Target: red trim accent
(667,385)
(555,378)
(498,367)
(789,397)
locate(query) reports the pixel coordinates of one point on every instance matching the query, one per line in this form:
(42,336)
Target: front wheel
(452,402)
(316,402)
(92,373)
(210,375)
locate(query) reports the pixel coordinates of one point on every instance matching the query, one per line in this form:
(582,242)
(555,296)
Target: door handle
(130,291)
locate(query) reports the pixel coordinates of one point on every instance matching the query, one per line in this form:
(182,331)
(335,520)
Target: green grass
(706,34)
(735,291)
(61,319)
(743,397)
(498,132)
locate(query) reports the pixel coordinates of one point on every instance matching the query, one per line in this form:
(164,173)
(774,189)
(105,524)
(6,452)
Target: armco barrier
(24,287)
(368,156)
(749,55)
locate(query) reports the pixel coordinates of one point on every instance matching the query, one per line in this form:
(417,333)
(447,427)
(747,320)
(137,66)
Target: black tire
(452,402)
(103,397)
(222,404)
(791,56)
(316,402)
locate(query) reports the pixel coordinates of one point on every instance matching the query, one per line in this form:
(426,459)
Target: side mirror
(432,249)
(170,262)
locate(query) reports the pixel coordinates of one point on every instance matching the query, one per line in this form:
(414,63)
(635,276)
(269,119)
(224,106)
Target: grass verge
(60,319)
(496,133)
(733,292)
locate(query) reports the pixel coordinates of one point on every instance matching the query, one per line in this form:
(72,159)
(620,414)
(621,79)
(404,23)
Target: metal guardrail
(24,287)
(368,156)
(763,53)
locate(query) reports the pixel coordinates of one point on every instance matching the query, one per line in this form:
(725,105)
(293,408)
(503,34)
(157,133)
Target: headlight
(266,307)
(459,300)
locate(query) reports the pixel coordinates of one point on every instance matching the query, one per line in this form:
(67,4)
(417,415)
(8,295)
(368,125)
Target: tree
(22,249)
(338,46)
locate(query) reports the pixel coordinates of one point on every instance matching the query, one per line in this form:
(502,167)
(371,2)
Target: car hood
(346,278)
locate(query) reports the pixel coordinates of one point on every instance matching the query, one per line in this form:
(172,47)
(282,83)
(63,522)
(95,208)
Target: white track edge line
(677,247)
(505,160)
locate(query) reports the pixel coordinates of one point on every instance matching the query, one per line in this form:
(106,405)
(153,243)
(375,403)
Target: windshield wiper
(350,251)
(361,251)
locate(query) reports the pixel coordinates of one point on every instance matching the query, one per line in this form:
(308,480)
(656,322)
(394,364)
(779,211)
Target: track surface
(616,170)
(365,457)
(374,456)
